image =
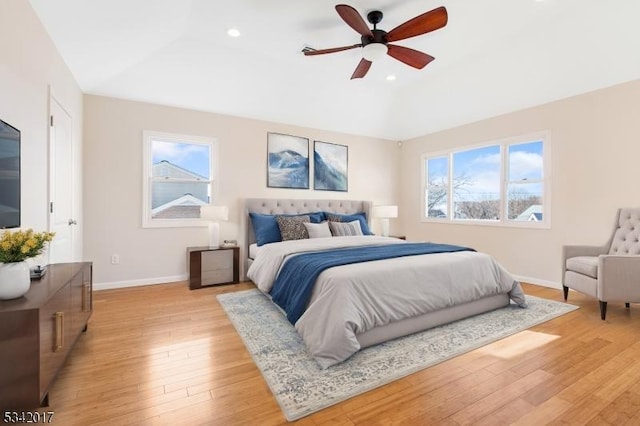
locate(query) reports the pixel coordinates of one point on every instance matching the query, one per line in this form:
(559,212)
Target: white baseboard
(538,281)
(137,283)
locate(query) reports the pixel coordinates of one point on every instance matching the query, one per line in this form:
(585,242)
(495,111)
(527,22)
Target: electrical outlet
(115,259)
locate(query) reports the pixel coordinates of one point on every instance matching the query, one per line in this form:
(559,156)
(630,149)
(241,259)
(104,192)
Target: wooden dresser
(38,330)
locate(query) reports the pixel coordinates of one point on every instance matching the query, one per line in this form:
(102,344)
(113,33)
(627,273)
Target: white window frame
(147,177)
(504,221)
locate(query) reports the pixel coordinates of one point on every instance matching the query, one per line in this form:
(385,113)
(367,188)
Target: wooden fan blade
(422,24)
(408,56)
(353,19)
(332,50)
(361,69)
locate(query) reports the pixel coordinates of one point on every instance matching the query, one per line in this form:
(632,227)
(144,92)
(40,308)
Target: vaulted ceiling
(493,57)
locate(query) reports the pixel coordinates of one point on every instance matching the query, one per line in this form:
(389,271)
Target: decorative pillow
(344,229)
(292,227)
(360,217)
(266,229)
(318,230)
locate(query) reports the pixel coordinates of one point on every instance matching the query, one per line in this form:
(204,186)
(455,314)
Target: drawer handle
(86,297)
(59,324)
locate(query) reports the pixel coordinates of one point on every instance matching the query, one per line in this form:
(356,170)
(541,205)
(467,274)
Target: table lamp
(214,214)
(384,213)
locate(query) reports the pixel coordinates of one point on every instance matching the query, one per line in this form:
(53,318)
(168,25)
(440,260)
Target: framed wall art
(287,161)
(330,166)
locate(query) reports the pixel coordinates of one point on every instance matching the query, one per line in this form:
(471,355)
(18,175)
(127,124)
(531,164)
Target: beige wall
(113,173)
(595,150)
(30,69)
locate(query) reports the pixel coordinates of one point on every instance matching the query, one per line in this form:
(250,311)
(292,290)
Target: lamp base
(385,227)
(214,234)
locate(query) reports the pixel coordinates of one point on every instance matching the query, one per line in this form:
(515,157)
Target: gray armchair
(610,272)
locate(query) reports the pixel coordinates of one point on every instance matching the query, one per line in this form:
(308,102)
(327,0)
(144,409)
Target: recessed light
(391,77)
(233,32)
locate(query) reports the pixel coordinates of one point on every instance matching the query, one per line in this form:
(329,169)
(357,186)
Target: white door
(61,220)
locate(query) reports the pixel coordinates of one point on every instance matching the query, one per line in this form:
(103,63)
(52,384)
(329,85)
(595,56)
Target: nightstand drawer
(219,276)
(217,259)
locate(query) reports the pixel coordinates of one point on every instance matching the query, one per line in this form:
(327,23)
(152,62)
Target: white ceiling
(493,57)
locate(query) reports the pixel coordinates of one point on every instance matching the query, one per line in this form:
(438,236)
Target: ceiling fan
(375,42)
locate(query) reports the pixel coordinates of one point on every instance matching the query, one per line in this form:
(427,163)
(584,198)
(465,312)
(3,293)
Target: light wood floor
(165,355)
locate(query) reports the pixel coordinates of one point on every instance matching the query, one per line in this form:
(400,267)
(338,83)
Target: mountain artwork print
(288,161)
(330,166)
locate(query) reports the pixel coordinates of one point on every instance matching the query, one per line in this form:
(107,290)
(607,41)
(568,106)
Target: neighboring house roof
(535,217)
(533,213)
(166,168)
(186,206)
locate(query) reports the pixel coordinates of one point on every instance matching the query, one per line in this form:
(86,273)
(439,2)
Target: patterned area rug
(302,388)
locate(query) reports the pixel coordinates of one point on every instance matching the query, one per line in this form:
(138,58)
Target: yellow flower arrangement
(19,245)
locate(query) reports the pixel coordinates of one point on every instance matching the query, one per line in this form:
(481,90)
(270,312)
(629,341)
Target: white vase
(14,280)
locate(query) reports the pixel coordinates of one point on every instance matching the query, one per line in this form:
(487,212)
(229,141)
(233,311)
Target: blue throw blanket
(292,289)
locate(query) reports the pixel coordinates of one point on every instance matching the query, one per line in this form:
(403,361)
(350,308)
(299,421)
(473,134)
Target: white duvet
(351,299)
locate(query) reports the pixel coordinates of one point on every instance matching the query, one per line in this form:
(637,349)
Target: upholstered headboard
(289,206)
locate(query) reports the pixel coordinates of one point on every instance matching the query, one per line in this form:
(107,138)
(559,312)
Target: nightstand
(212,266)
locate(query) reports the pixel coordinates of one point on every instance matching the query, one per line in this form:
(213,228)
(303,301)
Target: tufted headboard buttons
(626,238)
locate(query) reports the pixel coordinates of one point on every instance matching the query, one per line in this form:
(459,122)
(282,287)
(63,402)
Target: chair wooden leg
(626,305)
(565,290)
(603,310)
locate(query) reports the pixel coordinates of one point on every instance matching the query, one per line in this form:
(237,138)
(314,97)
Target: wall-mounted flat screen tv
(9,176)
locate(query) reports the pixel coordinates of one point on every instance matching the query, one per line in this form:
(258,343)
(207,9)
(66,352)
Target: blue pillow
(265,226)
(360,217)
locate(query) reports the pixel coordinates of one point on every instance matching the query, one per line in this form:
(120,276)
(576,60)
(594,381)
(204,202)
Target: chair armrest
(619,278)
(573,251)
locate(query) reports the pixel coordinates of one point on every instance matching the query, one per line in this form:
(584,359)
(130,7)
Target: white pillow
(317,230)
(344,229)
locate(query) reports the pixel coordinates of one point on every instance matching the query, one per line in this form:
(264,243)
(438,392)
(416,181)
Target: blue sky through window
(480,170)
(438,169)
(193,157)
(525,161)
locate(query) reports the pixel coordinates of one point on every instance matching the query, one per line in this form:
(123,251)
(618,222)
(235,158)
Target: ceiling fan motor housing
(379,36)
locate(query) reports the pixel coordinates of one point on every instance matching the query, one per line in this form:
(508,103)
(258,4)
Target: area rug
(302,388)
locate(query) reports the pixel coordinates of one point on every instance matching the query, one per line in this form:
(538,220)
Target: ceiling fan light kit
(375,42)
(373,51)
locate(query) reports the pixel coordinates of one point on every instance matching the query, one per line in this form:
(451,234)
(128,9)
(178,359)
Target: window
(501,183)
(525,184)
(438,188)
(476,188)
(179,177)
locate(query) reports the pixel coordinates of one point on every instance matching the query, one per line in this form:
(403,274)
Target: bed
(355,305)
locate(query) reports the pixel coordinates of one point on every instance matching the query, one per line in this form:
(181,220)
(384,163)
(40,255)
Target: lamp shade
(214,213)
(385,211)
